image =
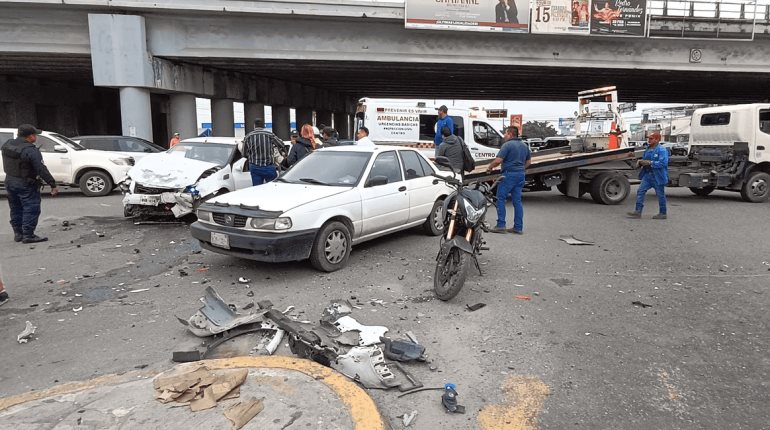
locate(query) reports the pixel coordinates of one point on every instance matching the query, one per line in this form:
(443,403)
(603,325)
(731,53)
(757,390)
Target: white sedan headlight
(204,215)
(271,223)
(283,223)
(471,213)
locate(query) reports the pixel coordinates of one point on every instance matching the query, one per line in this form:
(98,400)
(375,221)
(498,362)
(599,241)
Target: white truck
(729,150)
(96,172)
(414,125)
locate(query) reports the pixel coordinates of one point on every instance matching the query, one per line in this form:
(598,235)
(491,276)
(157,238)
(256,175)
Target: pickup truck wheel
(331,248)
(756,189)
(434,225)
(610,188)
(703,192)
(95,183)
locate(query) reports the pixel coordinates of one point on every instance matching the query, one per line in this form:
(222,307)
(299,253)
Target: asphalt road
(560,343)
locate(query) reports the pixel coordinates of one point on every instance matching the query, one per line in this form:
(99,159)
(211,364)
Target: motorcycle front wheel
(451,270)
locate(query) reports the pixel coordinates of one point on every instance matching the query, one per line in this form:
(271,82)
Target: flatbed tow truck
(599,161)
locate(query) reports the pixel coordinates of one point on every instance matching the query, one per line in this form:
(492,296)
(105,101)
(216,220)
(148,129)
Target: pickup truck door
(57,158)
(484,141)
(384,206)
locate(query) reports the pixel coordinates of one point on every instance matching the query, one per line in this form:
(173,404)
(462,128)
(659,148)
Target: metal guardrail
(707,19)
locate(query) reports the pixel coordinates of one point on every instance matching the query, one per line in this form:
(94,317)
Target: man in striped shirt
(260,147)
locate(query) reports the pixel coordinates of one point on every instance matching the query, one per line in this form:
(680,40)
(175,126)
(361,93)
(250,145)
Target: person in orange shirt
(174,140)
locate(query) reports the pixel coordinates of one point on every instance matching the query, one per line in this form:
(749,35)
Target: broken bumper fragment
(174,203)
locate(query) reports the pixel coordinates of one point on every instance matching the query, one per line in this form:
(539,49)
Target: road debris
(200,388)
(141,290)
(242,412)
(449,399)
(640,304)
(522,297)
(475,307)
(407,419)
(243,280)
(215,316)
(26,335)
(369,335)
(402,350)
(77,309)
(571,240)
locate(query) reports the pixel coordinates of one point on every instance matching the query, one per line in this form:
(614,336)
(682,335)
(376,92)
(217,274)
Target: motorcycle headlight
(472,214)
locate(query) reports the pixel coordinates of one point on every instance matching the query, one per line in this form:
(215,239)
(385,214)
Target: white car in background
(128,146)
(332,199)
(95,172)
(174,182)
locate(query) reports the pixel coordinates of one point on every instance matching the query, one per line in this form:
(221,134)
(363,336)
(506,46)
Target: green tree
(541,129)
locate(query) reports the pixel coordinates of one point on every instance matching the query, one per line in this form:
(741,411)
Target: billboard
(618,17)
(516,121)
(468,15)
(561,16)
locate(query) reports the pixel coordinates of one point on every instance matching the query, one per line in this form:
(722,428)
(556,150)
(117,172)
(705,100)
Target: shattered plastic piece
(243,280)
(522,297)
(77,309)
(408,418)
(370,335)
(572,241)
(475,307)
(449,400)
(26,335)
(242,412)
(367,366)
(336,310)
(411,336)
(215,316)
(305,340)
(141,290)
(640,304)
(265,304)
(349,338)
(402,350)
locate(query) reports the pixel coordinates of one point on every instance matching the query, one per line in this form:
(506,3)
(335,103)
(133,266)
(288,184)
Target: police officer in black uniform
(23,164)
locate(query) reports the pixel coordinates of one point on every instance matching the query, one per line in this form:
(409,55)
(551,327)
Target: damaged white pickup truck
(175,181)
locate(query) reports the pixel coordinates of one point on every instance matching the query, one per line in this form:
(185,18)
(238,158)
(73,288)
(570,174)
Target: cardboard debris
(200,388)
(242,412)
(572,241)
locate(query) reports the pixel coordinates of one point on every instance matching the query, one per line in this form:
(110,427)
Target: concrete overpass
(152,59)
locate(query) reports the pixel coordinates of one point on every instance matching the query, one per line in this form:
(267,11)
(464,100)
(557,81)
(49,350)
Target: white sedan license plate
(220,239)
(149,200)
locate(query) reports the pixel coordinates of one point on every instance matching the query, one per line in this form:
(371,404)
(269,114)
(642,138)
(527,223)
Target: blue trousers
(24,201)
(262,174)
(512,184)
(660,191)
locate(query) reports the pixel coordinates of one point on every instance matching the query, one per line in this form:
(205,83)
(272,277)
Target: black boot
(33,239)
(17,236)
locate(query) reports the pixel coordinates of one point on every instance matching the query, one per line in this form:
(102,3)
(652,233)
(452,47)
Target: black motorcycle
(463,212)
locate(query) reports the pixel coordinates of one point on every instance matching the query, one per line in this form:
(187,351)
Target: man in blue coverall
(654,174)
(443,120)
(515,157)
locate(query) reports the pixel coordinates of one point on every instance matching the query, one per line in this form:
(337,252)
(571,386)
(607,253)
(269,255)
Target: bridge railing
(708,19)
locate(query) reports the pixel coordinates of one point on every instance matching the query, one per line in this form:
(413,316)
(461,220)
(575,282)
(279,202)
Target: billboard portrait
(618,17)
(561,16)
(468,15)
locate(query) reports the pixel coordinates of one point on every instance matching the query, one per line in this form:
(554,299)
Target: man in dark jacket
(23,164)
(299,150)
(329,137)
(451,148)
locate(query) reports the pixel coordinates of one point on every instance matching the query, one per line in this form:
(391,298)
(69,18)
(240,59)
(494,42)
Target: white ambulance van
(414,125)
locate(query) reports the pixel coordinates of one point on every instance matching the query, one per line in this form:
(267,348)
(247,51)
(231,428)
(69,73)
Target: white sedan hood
(168,170)
(279,196)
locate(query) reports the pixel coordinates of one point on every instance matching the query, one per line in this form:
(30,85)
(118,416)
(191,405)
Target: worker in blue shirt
(654,174)
(515,157)
(443,120)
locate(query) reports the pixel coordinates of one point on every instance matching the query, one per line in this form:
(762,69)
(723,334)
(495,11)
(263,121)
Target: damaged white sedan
(175,181)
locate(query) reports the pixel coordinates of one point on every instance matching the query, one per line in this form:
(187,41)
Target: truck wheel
(95,183)
(331,248)
(610,188)
(703,192)
(434,225)
(756,189)
(582,189)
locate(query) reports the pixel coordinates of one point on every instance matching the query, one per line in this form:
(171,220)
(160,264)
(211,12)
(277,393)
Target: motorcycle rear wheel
(451,271)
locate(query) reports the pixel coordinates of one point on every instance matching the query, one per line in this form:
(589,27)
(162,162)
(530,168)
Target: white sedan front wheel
(331,248)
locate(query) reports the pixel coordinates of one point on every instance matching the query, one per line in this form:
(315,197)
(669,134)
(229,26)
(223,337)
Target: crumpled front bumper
(178,203)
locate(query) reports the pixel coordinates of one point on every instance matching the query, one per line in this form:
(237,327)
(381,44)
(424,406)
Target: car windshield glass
(74,145)
(217,153)
(336,168)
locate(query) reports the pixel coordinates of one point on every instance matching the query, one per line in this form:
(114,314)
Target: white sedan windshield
(329,168)
(208,152)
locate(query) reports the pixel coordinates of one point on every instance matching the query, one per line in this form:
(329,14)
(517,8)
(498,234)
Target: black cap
(294,133)
(27,130)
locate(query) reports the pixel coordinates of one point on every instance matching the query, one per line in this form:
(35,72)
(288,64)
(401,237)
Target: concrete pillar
(183,115)
(281,121)
(323,117)
(341,124)
(136,112)
(304,116)
(222,118)
(252,111)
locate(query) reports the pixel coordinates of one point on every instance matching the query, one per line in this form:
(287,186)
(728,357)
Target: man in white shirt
(363,137)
